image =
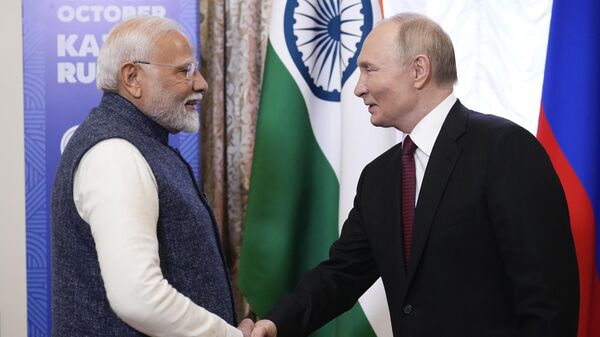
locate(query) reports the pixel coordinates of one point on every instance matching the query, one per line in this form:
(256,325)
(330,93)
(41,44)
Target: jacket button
(407,309)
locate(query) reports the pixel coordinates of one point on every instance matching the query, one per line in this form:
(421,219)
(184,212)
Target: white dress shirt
(115,192)
(424,135)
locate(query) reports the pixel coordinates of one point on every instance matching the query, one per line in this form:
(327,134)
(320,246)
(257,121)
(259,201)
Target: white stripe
(325,116)
(361,143)
(348,140)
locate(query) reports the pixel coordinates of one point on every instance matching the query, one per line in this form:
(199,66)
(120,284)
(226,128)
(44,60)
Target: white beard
(170,112)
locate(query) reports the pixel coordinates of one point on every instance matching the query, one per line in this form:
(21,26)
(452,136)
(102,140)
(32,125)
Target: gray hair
(128,41)
(417,34)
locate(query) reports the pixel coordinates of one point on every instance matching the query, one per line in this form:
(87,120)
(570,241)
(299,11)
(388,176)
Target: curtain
(233,44)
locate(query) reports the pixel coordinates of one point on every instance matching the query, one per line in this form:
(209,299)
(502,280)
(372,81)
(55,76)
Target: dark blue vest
(189,248)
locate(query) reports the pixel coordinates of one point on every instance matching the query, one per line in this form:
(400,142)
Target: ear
(130,75)
(422,70)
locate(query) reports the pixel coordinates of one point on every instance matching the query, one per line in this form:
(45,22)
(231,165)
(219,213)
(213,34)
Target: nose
(360,88)
(199,83)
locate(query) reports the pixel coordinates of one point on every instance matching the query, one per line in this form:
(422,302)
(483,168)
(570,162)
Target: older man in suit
(135,247)
(465,221)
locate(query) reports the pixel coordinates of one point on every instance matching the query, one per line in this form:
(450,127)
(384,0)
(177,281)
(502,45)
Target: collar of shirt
(426,131)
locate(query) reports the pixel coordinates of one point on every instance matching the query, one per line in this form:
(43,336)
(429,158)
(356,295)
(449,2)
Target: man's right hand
(264,328)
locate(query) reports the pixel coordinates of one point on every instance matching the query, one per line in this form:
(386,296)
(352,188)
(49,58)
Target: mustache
(194,97)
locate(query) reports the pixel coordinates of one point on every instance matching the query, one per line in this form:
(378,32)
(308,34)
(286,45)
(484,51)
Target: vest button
(407,309)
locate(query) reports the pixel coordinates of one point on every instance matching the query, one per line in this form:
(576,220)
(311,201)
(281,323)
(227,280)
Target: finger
(246,326)
(246,323)
(264,328)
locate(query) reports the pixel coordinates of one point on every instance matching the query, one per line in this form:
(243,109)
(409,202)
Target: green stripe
(292,213)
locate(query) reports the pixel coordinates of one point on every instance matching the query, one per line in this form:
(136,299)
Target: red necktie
(409,188)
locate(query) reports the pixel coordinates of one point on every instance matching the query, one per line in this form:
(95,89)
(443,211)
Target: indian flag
(313,139)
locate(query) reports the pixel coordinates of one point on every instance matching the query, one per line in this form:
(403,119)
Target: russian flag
(569,129)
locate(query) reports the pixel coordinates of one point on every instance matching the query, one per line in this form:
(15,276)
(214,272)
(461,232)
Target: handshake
(262,328)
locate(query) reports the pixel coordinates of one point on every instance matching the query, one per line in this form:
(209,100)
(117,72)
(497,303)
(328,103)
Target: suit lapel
(441,163)
(392,188)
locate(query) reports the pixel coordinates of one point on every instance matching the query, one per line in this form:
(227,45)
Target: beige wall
(13,305)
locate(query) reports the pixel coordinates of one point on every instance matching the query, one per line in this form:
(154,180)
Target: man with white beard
(135,245)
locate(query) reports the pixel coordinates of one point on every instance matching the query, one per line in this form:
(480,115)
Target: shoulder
(495,139)
(490,122)
(493,129)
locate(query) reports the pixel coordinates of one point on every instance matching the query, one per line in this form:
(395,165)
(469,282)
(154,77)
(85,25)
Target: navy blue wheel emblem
(324,38)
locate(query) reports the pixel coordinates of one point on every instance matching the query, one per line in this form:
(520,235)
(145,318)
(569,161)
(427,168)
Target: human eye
(369,68)
(363,67)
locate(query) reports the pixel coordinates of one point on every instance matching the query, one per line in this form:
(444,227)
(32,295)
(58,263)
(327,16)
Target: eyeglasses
(190,68)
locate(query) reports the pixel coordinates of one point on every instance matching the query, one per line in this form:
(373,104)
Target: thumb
(246,327)
(264,328)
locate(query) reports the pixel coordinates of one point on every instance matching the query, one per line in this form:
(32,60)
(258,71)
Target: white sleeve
(115,192)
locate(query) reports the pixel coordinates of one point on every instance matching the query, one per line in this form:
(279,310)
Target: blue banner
(61,41)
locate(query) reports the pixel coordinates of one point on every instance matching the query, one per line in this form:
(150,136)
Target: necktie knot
(408,147)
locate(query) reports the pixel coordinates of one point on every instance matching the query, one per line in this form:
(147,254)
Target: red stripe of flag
(583,228)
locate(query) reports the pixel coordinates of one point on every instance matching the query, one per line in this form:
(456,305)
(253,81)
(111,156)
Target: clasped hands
(262,328)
